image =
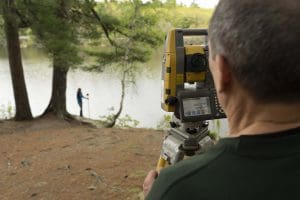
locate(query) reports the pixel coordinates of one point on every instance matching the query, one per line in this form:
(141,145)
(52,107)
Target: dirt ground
(52,159)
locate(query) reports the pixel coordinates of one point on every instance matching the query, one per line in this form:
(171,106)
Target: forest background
(53,153)
(118,37)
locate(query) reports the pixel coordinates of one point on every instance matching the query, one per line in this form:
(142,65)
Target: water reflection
(142,100)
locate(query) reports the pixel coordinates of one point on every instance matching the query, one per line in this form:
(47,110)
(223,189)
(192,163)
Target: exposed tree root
(68,118)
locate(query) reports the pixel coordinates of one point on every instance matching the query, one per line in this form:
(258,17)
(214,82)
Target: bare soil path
(50,159)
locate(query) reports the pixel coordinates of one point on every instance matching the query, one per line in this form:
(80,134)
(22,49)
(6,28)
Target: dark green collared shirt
(260,167)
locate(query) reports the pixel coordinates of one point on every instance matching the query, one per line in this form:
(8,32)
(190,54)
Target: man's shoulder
(194,163)
(170,177)
(232,161)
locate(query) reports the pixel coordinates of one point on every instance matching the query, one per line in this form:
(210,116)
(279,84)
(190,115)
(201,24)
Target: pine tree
(11,27)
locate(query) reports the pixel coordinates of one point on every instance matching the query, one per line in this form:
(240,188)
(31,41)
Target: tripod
(184,139)
(88,98)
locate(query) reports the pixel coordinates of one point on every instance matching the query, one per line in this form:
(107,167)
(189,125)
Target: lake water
(142,100)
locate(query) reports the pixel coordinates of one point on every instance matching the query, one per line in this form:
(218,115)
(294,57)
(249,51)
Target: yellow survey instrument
(188,92)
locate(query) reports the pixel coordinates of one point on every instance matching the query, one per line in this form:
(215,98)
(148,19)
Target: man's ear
(223,74)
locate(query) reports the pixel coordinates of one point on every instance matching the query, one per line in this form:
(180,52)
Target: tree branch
(24,22)
(106,32)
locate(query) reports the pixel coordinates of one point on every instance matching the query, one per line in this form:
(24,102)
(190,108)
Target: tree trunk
(57,105)
(117,115)
(23,111)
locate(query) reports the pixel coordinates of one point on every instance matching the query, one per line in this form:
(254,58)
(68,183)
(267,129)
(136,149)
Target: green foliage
(170,3)
(135,33)
(217,124)
(183,17)
(122,122)
(164,123)
(2,35)
(138,28)
(215,133)
(7,111)
(70,30)
(184,22)
(57,27)
(127,122)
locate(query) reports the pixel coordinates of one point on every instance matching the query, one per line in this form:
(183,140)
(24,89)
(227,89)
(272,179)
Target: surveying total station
(188,91)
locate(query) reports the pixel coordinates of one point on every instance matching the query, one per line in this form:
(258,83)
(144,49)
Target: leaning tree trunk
(117,115)
(57,105)
(23,111)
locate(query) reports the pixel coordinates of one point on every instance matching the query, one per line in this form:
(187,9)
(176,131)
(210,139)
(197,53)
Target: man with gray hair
(255,63)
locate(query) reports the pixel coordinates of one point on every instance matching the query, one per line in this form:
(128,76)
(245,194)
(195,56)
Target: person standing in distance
(79,100)
(255,62)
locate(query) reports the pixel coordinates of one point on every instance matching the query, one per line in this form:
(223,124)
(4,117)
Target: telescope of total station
(188,92)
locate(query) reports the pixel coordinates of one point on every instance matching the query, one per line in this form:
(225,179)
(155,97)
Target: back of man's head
(261,41)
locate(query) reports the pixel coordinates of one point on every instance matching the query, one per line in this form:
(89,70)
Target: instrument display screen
(196,106)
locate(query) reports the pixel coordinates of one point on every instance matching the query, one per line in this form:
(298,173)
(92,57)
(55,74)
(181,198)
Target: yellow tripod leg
(160,164)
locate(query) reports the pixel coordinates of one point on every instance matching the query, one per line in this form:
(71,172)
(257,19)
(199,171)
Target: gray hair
(261,41)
